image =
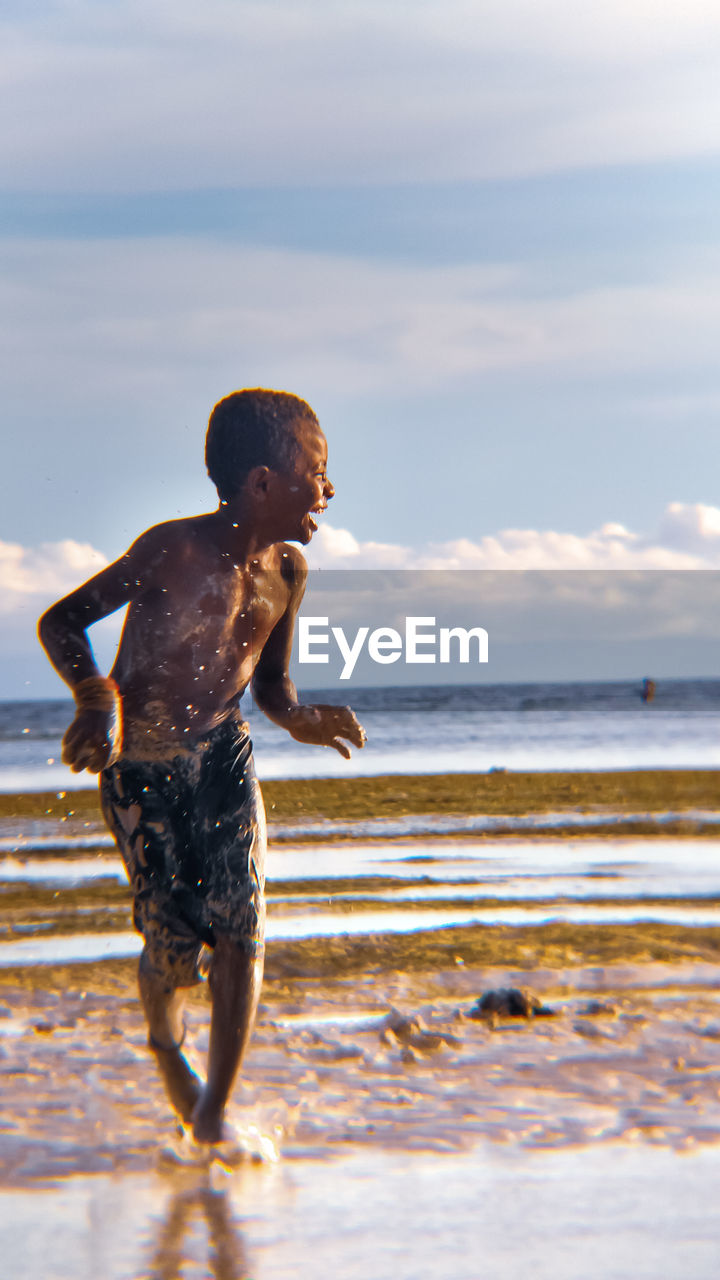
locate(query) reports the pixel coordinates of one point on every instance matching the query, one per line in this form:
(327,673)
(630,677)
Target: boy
(212,605)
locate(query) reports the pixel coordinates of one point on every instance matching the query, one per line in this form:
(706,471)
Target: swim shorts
(191,832)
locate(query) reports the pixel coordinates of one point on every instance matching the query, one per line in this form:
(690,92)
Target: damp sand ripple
(344,1063)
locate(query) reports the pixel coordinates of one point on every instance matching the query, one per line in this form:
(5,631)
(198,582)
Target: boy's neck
(240,532)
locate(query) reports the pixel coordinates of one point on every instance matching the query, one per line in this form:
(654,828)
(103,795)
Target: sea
(438,729)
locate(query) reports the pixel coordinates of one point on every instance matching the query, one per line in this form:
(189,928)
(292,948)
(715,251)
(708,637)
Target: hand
(322,725)
(91,742)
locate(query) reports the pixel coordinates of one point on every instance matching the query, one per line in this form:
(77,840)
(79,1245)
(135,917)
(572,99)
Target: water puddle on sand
(61,871)
(654,864)
(629,1214)
(88,947)
(417,1142)
(412,885)
(33,834)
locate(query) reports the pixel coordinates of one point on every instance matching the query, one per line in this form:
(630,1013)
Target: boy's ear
(257,481)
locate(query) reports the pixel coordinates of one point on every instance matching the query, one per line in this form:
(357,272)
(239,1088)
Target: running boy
(212,605)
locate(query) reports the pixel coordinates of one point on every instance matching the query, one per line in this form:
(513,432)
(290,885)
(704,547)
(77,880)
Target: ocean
(438,729)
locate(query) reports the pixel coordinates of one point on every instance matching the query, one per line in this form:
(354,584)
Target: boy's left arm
(319,724)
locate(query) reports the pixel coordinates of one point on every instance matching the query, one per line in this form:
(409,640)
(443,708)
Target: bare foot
(183,1087)
(208,1124)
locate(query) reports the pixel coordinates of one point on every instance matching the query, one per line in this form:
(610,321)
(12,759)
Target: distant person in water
(212,606)
(648,689)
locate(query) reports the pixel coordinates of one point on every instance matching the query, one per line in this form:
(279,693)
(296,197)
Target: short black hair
(252,428)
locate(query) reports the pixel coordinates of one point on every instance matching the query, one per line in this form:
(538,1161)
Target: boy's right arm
(94,738)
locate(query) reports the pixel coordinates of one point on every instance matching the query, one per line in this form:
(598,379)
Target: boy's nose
(329,490)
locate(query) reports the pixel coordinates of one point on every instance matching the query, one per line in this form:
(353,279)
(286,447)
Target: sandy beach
(392,1128)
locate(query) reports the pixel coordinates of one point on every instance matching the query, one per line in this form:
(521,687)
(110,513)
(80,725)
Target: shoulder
(292,565)
(171,536)
(173,542)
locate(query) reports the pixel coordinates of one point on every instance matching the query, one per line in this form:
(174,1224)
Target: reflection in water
(226,1252)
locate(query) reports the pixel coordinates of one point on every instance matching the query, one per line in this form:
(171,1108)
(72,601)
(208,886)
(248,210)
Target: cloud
(29,575)
(31,579)
(158,96)
(692,529)
(579,613)
(688,537)
(152,317)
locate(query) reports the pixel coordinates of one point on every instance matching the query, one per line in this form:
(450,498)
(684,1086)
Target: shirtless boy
(212,605)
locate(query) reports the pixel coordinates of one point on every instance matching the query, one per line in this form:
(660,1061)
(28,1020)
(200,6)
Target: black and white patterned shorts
(191,832)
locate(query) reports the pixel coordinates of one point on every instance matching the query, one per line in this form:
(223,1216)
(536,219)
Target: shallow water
(35,835)
(381,889)
(585,1144)
(474,728)
(617,1214)
(356,888)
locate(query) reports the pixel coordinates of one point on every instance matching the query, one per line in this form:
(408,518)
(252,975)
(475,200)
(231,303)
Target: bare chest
(222,617)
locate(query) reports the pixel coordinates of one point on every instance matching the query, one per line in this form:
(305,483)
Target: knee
(165,968)
(159,976)
(150,977)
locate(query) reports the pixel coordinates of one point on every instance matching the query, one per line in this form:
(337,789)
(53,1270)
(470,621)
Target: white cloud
(29,575)
(688,538)
(693,529)
(31,579)
(565,608)
(158,95)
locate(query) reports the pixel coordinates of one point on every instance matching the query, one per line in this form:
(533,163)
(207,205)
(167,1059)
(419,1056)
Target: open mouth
(316,511)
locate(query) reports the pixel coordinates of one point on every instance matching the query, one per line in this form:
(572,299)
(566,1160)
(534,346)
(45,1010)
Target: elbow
(266,690)
(46,628)
(51,628)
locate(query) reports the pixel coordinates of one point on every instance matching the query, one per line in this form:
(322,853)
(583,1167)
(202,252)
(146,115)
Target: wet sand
(654,790)
(414,1139)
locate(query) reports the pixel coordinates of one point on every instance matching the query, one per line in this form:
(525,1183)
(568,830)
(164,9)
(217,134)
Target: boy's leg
(163,1005)
(235,851)
(235,982)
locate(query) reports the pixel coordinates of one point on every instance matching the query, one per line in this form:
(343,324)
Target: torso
(194,633)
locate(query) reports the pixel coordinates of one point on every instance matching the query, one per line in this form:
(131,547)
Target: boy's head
(253,428)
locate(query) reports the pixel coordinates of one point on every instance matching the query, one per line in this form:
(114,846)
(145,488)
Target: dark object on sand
(596,1008)
(648,689)
(509,1002)
(413,1032)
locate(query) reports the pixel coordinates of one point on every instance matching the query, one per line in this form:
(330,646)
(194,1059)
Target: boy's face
(304,489)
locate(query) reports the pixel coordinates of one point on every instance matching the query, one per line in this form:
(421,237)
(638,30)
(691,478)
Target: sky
(482,239)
